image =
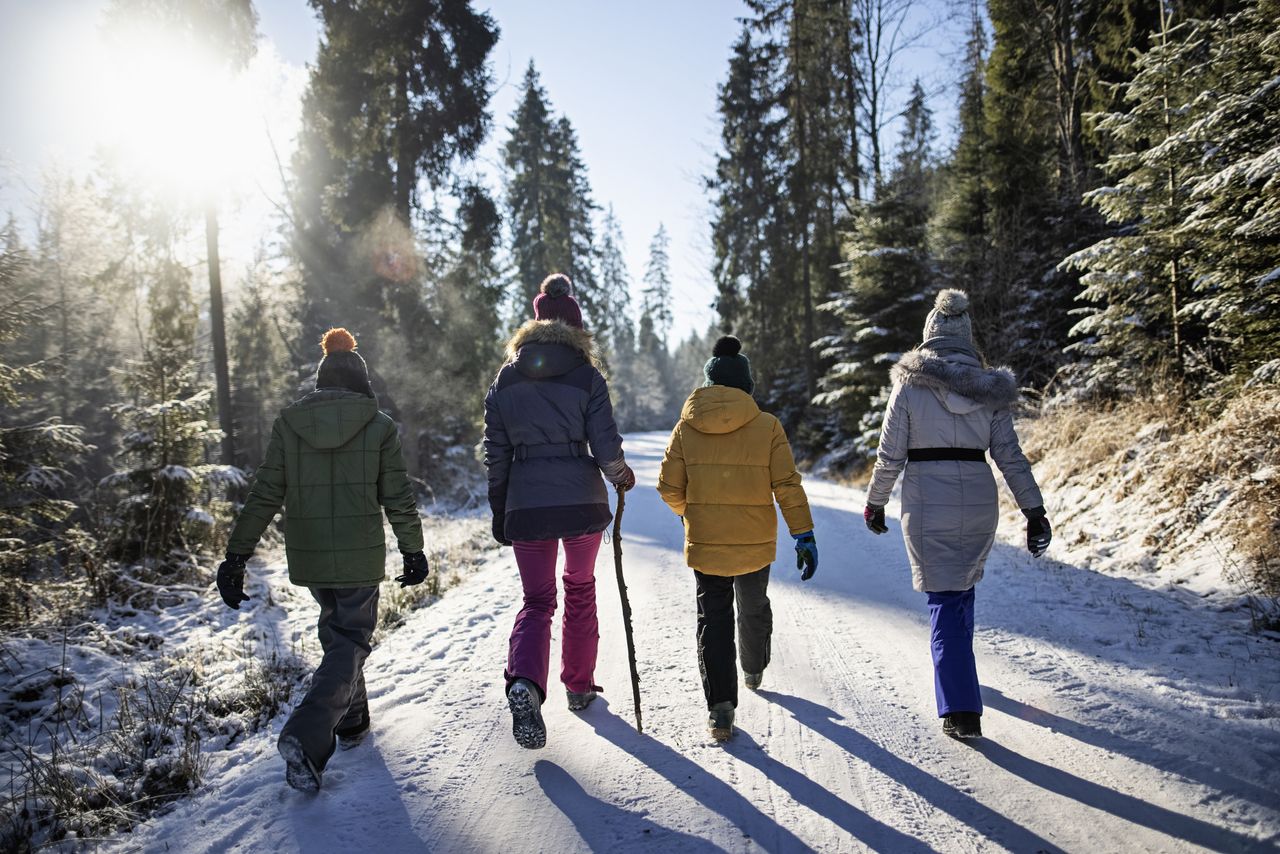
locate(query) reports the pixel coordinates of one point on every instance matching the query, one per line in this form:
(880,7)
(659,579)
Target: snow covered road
(1118,718)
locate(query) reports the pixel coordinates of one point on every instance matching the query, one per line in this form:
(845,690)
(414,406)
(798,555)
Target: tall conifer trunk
(405,172)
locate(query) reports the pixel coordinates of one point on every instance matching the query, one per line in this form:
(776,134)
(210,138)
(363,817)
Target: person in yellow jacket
(726,464)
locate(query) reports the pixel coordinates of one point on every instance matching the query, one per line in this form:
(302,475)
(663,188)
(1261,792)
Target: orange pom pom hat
(337,339)
(342,367)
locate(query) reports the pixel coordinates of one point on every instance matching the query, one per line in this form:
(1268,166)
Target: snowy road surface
(1118,719)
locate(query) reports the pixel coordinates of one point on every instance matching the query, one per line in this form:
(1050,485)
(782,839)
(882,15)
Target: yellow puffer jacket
(726,463)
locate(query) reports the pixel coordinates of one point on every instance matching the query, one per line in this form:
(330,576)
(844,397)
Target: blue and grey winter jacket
(549,434)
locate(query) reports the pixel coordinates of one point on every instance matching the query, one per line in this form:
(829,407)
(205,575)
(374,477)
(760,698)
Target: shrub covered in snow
(1191,491)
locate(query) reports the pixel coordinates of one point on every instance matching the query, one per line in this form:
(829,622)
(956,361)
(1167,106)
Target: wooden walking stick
(626,606)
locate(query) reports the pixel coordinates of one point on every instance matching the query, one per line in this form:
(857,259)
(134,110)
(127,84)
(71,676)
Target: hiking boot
(962,725)
(300,772)
(720,721)
(526,715)
(578,702)
(752,680)
(349,737)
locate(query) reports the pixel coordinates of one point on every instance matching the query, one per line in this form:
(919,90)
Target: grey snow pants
(716,594)
(336,699)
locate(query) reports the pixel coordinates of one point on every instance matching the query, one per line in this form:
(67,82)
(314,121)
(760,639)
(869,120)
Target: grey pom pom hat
(950,317)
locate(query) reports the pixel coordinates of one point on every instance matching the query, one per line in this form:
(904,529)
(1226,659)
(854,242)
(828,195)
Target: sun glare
(167,114)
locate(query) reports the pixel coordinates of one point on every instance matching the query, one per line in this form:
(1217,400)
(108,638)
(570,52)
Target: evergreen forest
(1110,199)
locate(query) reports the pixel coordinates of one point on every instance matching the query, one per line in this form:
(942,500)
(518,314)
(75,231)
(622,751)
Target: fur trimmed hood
(553,332)
(994,387)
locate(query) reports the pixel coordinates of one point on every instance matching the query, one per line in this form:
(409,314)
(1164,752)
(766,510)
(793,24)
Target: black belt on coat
(927,455)
(563,449)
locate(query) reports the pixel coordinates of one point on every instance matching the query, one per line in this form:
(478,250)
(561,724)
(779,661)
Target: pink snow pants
(530,651)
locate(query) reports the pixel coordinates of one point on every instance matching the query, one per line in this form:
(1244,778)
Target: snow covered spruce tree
(1180,288)
(38,540)
(1235,278)
(162,510)
(888,274)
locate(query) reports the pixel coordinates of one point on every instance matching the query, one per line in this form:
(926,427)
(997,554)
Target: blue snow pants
(955,674)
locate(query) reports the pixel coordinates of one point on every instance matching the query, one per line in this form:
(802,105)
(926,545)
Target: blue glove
(806,555)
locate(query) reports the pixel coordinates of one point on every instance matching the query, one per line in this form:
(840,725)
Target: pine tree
(657,286)
(80,260)
(548,201)
(1182,287)
(650,380)
(469,293)
(164,518)
(37,535)
(614,311)
(888,273)
(819,170)
(399,92)
(262,381)
(396,106)
(962,228)
(746,184)
(1235,278)
(785,185)
(1037,82)
(398,95)
(651,384)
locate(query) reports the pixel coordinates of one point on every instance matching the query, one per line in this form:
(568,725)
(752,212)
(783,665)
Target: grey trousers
(716,665)
(336,699)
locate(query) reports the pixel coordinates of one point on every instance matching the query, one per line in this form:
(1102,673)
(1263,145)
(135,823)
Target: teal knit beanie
(727,366)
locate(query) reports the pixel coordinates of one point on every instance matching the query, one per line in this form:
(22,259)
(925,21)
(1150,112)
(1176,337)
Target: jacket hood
(719,409)
(553,332)
(328,417)
(959,380)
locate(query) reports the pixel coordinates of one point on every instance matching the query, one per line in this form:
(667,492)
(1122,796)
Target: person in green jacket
(334,464)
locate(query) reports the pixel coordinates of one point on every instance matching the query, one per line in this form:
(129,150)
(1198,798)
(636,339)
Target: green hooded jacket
(334,463)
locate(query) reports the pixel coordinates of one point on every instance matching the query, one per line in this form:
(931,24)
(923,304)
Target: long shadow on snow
(876,835)
(1147,754)
(1109,617)
(692,779)
(944,797)
(1122,806)
(352,808)
(605,827)
(1009,601)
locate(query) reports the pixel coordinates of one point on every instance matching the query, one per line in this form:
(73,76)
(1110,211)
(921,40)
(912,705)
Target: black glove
(806,555)
(1039,531)
(874,517)
(231,580)
(415,569)
(499,528)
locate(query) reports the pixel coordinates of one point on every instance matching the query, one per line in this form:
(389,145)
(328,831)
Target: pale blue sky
(638,81)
